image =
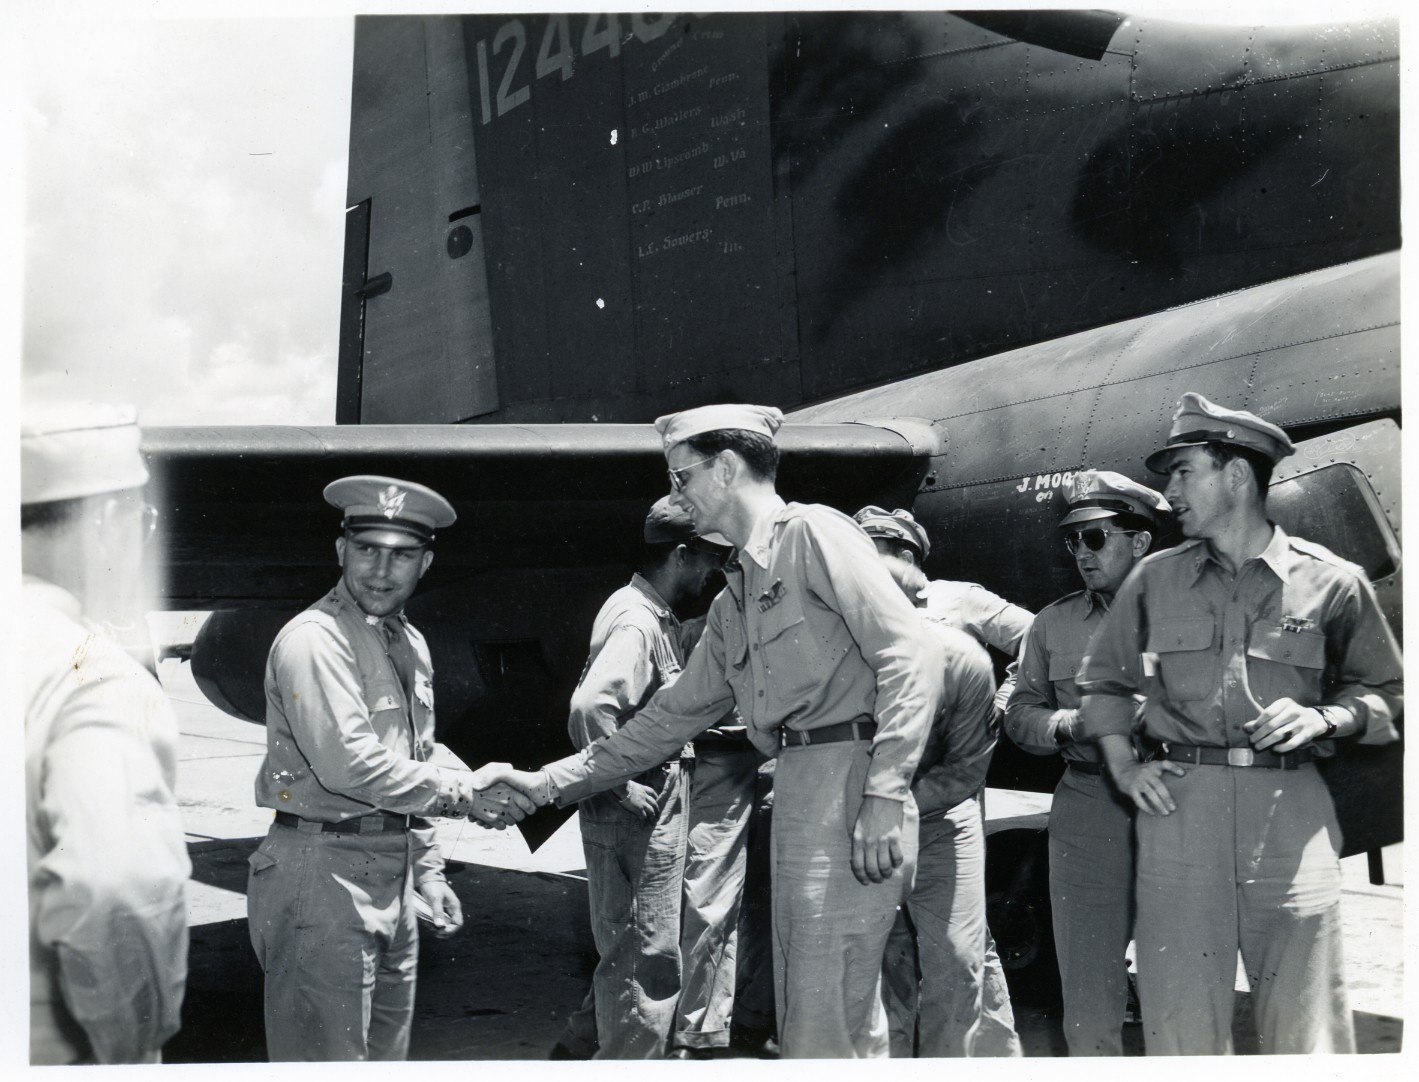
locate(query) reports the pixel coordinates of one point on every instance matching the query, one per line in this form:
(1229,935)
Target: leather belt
(1212,756)
(375,823)
(857,729)
(1080,766)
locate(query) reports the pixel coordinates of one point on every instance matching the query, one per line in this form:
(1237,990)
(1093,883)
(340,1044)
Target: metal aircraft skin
(550,515)
(971,254)
(595,217)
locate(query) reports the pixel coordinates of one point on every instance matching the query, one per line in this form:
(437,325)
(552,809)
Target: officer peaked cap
(1199,421)
(388,511)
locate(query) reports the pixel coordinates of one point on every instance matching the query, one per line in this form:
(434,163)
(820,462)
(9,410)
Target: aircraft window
(1334,506)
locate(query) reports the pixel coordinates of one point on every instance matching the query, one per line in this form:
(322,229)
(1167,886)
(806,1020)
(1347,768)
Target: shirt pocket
(790,661)
(1063,668)
(1285,664)
(385,701)
(736,661)
(423,695)
(1187,663)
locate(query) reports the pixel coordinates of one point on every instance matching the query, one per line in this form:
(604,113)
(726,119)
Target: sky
(182,200)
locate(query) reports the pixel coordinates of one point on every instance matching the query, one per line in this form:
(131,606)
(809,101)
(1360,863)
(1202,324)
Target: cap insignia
(391,502)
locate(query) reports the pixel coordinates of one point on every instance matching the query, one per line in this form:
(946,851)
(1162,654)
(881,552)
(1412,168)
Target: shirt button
(1231,683)
(755,646)
(761,693)
(285,794)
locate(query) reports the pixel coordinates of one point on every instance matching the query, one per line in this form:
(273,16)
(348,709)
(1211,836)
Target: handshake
(495,795)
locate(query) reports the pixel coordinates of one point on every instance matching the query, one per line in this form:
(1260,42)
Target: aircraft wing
(243,521)
(549,524)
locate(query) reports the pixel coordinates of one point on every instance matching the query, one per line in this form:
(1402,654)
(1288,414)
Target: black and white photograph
(750,534)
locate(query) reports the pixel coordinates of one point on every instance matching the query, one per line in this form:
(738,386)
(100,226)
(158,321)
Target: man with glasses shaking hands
(1109,526)
(833,672)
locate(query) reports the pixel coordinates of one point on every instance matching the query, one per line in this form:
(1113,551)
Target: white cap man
(1108,526)
(1256,651)
(349,731)
(832,671)
(107,855)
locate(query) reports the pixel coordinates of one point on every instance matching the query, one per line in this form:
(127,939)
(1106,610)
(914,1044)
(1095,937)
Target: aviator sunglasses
(1094,539)
(676,481)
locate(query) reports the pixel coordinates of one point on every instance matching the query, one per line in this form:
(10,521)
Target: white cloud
(185,206)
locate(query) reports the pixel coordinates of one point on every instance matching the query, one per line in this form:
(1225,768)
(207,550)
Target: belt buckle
(1240,757)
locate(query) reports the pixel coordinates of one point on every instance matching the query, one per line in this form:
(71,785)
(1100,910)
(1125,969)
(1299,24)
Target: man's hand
(499,806)
(1143,784)
(532,785)
(447,911)
(1284,726)
(641,800)
(877,840)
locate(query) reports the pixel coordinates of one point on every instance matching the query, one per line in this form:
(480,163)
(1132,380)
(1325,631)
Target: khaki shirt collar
(1276,556)
(652,595)
(343,595)
(56,597)
(1094,600)
(762,535)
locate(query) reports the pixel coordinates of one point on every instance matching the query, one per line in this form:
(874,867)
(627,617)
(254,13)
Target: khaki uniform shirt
(344,736)
(1211,650)
(975,610)
(635,650)
(958,749)
(810,631)
(1044,682)
(107,854)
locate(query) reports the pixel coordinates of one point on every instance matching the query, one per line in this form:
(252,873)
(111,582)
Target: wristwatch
(1329,719)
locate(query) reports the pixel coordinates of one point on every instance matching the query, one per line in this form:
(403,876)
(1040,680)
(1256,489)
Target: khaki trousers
(1247,862)
(830,931)
(331,918)
(721,803)
(1091,876)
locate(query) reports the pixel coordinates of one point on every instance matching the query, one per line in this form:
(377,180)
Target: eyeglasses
(148,514)
(1094,539)
(677,483)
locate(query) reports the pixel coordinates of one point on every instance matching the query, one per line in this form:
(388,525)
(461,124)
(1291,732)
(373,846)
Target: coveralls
(811,632)
(635,869)
(1091,868)
(349,727)
(106,853)
(1249,858)
(935,969)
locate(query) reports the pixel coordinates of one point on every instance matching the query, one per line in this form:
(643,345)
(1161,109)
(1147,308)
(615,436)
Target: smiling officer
(835,673)
(349,730)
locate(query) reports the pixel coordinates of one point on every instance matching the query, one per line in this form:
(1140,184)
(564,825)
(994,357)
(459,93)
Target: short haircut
(758,451)
(52,514)
(654,554)
(1137,523)
(1261,465)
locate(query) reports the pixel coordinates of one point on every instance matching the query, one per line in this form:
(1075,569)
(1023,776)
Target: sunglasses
(677,483)
(1093,539)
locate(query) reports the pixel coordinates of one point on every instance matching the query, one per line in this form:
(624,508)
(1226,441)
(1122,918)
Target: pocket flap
(788,613)
(1181,633)
(1064,666)
(1271,642)
(260,860)
(383,695)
